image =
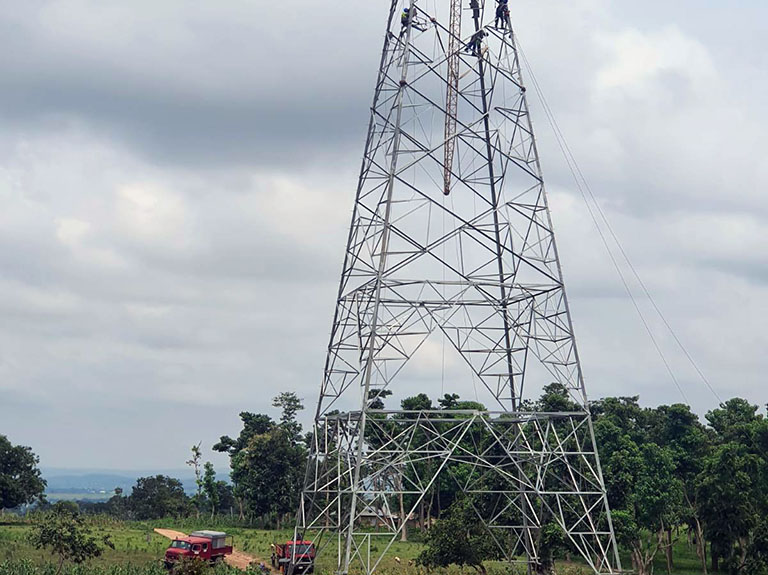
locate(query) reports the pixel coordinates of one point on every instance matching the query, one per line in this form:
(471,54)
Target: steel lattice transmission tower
(451,238)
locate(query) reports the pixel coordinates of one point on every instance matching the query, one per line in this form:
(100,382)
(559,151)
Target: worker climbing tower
(451,244)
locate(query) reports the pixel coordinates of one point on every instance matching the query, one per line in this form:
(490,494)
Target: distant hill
(97,485)
(90,482)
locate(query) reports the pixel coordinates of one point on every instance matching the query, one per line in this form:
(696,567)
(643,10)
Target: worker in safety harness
(409,16)
(502,13)
(475,43)
(475,6)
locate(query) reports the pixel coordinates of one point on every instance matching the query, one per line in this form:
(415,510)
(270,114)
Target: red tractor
(294,557)
(208,546)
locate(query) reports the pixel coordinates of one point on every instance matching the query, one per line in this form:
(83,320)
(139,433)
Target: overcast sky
(177,179)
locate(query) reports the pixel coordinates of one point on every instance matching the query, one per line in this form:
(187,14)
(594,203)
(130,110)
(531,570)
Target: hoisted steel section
(452,93)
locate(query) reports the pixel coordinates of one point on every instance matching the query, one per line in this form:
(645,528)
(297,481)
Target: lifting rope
(587,194)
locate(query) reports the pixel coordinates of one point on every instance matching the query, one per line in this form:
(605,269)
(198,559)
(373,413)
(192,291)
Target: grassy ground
(138,550)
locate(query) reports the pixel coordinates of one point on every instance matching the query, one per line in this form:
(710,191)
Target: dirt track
(170,533)
(237,559)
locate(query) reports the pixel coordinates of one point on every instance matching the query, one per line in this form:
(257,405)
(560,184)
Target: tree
(757,553)
(290,405)
(253,424)
(194,463)
(448,401)
(420,402)
(269,473)
(67,535)
(376,397)
(458,539)
(549,537)
(225,495)
(117,505)
(733,420)
(20,479)
(267,458)
(644,491)
(679,430)
(731,490)
(210,487)
(158,496)
(733,484)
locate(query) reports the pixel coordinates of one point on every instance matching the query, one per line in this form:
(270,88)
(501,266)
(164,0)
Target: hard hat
(406,9)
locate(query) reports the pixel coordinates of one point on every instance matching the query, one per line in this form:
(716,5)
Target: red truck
(293,557)
(208,546)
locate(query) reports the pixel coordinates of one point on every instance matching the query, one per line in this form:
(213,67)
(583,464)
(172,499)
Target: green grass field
(138,551)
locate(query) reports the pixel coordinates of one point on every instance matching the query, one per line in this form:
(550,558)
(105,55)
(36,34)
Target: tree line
(669,475)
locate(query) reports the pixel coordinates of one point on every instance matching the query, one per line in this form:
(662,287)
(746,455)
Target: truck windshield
(180,545)
(301,549)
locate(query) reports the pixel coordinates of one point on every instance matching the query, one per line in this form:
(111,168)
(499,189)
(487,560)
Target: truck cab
(208,546)
(294,557)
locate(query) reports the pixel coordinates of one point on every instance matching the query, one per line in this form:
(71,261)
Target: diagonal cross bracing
(478,269)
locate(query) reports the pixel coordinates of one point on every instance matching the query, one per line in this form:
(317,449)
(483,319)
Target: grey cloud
(177,184)
(201,92)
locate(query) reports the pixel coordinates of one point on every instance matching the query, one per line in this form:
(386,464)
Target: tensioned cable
(586,190)
(570,160)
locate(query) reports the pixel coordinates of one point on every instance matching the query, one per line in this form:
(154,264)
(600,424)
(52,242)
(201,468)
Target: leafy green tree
(757,554)
(550,538)
(270,473)
(734,420)
(644,491)
(459,539)
(253,424)
(731,491)
(448,401)
(117,505)
(195,463)
(267,460)
(733,484)
(158,496)
(226,496)
(20,480)
(653,503)
(420,402)
(210,487)
(290,405)
(376,398)
(67,535)
(445,489)
(679,430)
